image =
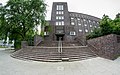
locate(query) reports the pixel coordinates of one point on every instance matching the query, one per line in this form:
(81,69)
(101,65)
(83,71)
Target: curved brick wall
(105,46)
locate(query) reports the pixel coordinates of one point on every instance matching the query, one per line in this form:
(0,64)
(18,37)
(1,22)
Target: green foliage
(107,26)
(18,18)
(94,34)
(42,33)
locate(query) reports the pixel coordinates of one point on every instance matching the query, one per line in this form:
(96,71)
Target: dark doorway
(59,37)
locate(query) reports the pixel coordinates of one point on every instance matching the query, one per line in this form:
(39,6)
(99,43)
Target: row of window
(72,23)
(59,17)
(59,12)
(74,33)
(86,30)
(60,23)
(71,33)
(85,20)
(59,7)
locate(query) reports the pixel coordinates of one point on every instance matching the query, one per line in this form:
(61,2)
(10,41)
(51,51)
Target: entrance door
(59,37)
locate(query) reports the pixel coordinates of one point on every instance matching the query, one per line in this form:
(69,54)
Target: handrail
(60,46)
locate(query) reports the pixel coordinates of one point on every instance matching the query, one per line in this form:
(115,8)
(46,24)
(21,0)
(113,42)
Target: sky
(95,8)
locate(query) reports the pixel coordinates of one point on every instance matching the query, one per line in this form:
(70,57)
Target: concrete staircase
(51,54)
(55,44)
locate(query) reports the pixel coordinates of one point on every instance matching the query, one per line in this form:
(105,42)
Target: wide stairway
(54,54)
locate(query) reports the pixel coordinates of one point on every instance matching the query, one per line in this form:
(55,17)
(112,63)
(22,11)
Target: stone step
(52,54)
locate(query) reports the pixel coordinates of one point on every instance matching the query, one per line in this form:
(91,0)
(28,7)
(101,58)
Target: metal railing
(60,46)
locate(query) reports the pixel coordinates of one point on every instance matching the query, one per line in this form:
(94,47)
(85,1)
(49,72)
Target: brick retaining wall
(105,46)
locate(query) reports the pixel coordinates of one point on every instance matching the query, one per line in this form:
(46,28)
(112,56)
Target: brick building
(69,25)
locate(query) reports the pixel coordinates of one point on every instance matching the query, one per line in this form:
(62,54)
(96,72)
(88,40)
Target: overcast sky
(92,7)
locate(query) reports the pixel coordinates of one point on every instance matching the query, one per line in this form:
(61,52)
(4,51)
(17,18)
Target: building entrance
(59,37)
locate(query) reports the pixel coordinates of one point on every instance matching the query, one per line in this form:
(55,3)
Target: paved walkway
(95,66)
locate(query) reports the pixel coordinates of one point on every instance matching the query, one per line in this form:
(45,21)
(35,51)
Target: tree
(116,24)
(105,25)
(20,17)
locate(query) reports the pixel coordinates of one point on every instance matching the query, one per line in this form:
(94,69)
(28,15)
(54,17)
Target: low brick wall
(105,46)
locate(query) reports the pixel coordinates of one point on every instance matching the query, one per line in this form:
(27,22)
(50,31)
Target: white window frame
(72,18)
(79,24)
(60,7)
(80,30)
(62,22)
(72,33)
(90,25)
(86,30)
(57,23)
(91,30)
(72,23)
(85,24)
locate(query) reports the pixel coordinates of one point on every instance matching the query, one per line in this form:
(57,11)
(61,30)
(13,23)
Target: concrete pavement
(95,66)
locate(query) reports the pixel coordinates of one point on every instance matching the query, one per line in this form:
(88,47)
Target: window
(59,7)
(93,21)
(62,17)
(91,30)
(72,33)
(90,25)
(79,23)
(89,20)
(62,12)
(72,18)
(80,30)
(72,23)
(95,26)
(84,19)
(85,24)
(59,12)
(97,22)
(59,17)
(57,23)
(78,18)
(46,33)
(60,23)
(86,30)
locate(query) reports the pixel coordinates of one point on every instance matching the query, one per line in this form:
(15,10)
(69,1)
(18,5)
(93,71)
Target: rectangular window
(62,12)
(79,24)
(90,25)
(46,33)
(95,26)
(60,17)
(59,7)
(72,33)
(57,12)
(80,30)
(57,17)
(57,23)
(72,18)
(86,30)
(78,18)
(85,24)
(60,23)
(72,23)
(91,30)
